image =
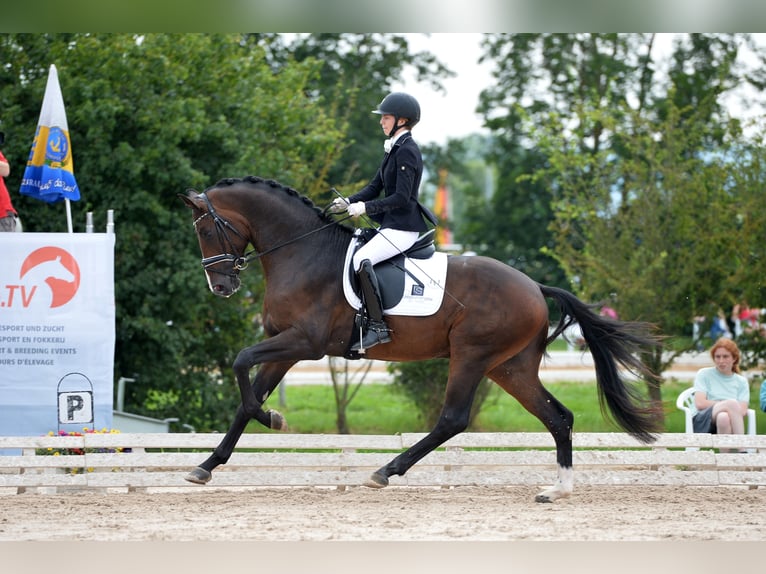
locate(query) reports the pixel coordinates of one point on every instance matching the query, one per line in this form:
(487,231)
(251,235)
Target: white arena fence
(159,462)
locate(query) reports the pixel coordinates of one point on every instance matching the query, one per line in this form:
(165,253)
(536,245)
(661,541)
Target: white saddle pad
(415,301)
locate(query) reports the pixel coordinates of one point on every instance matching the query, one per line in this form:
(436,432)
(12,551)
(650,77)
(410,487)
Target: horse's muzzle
(225,286)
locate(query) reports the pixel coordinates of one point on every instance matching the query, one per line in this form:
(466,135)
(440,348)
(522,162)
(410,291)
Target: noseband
(238,262)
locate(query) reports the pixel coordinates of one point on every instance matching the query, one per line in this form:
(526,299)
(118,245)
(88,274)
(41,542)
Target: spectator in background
(744,319)
(607,311)
(721,394)
(697,322)
(720,327)
(763,396)
(7,212)
(737,312)
(749,318)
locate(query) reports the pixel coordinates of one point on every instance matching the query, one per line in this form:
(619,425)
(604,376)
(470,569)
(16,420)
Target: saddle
(411,283)
(392,272)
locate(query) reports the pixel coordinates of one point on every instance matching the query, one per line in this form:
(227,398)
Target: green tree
(657,228)
(573,76)
(634,162)
(748,177)
(467,176)
(149,117)
(511,224)
(357,71)
(536,74)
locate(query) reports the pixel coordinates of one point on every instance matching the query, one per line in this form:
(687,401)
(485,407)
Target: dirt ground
(619,513)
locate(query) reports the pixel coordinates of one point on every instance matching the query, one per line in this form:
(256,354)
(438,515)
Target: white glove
(339,205)
(356,209)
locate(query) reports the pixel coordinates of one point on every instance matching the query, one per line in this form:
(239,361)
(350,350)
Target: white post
(121,392)
(68,215)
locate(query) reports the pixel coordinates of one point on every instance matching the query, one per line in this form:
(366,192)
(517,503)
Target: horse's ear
(188,198)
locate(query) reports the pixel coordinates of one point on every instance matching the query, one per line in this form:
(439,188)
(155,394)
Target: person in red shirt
(7,212)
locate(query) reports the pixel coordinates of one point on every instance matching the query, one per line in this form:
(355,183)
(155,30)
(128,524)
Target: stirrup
(377,333)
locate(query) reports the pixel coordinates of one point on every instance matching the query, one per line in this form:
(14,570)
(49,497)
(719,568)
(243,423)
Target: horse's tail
(612,342)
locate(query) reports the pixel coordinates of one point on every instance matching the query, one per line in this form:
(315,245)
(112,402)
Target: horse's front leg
(276,355)
(281,351)
(266,380)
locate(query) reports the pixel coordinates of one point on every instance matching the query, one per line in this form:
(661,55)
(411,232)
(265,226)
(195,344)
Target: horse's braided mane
(254,180)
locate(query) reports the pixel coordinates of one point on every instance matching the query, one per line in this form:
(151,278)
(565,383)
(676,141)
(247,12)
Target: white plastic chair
(685,402)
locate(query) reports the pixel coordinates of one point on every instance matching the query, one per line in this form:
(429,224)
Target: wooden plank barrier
(151,462)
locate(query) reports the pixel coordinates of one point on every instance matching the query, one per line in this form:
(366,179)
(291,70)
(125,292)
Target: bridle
(239,262)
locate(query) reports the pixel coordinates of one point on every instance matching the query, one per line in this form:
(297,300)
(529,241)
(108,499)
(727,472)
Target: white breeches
(385,244)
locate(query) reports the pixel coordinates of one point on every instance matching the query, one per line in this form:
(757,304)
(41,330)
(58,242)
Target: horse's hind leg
(521,380)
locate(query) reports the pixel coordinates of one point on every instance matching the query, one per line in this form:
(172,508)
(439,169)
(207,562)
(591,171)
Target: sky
(451,114)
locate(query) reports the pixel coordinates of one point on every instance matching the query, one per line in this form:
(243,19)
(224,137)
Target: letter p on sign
(76,407)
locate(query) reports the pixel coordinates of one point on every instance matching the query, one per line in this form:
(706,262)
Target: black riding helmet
(400,105)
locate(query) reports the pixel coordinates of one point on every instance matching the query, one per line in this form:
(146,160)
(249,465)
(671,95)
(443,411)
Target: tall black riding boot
(376,331)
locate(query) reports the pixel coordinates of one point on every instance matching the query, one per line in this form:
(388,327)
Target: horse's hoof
(552,495)
(199,476)
(277,421)
(377,480)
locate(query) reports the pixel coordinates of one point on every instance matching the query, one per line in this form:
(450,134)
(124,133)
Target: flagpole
(68,214)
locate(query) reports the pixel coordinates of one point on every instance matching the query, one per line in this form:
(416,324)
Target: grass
(381,409)
(503,413)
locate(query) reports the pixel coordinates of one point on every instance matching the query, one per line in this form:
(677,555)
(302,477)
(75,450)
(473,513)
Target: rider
(398,214)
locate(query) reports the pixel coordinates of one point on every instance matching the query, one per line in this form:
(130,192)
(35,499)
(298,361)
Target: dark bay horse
(493,322)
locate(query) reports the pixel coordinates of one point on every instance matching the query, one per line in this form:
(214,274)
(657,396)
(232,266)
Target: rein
(241,262)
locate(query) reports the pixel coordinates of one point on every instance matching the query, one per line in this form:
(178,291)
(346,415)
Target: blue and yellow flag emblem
(49,174)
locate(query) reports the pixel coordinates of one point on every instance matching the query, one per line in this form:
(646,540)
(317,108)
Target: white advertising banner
(57,332)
